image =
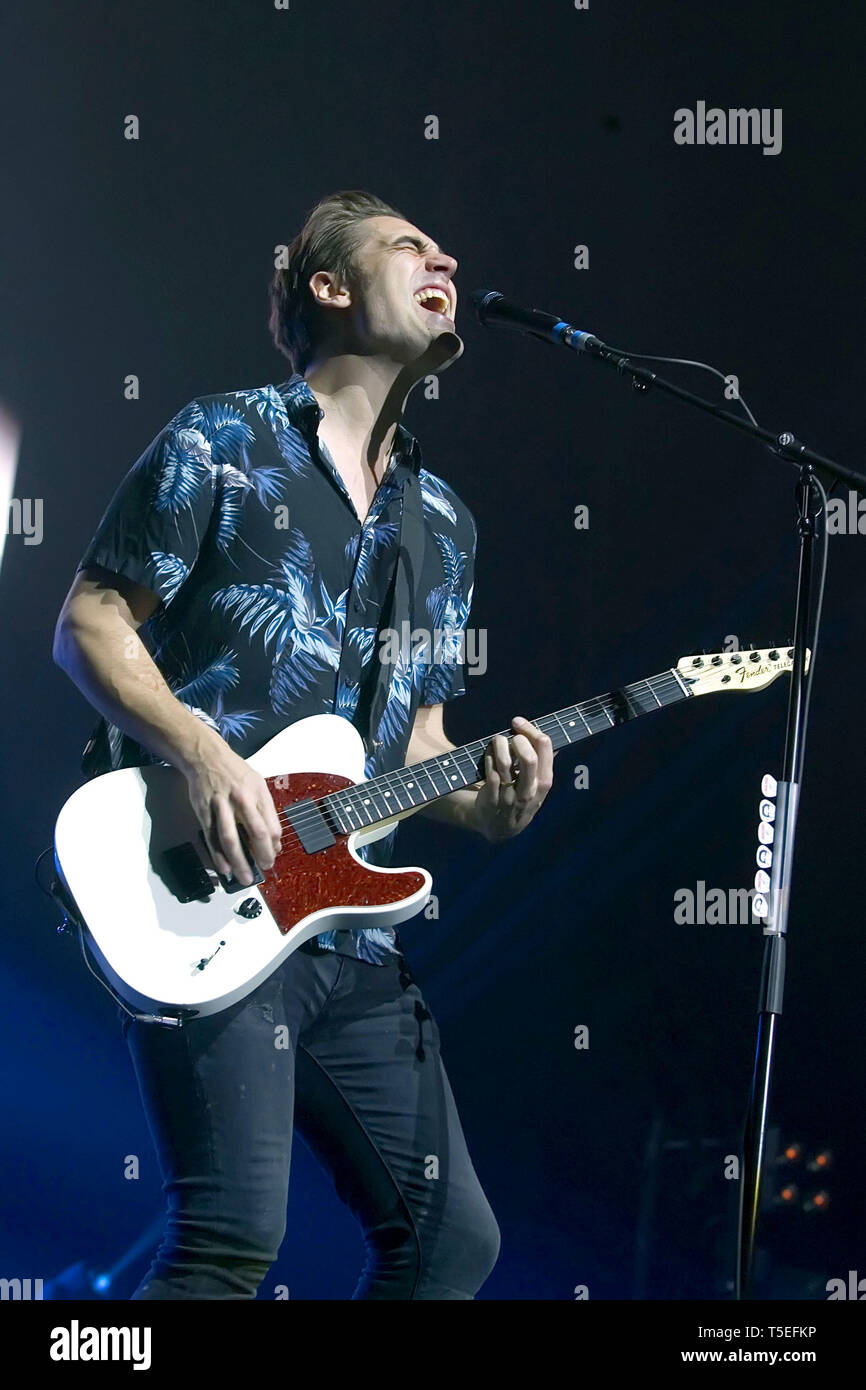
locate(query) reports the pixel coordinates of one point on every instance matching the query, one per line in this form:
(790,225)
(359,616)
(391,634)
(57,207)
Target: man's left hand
(516,781)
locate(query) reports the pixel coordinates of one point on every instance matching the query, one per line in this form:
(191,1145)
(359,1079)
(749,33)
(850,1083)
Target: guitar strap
(402,595)
(97,755)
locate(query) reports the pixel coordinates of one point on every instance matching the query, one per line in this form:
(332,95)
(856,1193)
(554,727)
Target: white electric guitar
(177,940)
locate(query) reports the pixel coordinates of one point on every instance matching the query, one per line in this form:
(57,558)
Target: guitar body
(129,850)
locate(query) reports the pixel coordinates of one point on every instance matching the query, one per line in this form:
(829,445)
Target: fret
(597,722)
(448,766)
(436,775)
(678,677)
(381,799)
(579,712)
(413,791)
(476,751)
(341,810)
(472,774)
(562,727)
(362,807)
(568,730)
(364,804)
(473,762)
(391,789)
(634,701)
(422,767)
(386,799)
(409,788)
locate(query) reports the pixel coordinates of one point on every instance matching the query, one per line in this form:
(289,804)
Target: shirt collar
(304,411)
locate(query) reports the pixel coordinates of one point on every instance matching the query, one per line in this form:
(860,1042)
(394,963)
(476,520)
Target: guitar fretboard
(407,788)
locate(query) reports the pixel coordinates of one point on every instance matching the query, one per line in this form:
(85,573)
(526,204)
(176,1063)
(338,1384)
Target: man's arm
(515,783)
(96,643)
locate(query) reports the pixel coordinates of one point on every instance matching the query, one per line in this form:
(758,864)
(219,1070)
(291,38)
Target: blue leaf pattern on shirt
(186,469)
(253,631)
(172,570)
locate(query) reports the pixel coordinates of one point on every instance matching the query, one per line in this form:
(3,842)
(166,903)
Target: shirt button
(357,605)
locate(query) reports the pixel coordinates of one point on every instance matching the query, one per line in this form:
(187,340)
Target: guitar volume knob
(250,907)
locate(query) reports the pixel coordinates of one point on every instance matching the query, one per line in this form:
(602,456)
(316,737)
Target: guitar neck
(407,789)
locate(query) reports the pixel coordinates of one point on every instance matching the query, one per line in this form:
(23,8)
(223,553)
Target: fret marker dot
(387,793)
(366,801)
(410,785)
(571,723)
(454,778)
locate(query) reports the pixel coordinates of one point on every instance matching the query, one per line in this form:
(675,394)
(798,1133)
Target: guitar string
(355,794)
(354,797)
(591,708)
(295,852)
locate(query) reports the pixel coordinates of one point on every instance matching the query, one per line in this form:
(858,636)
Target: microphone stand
(772,987)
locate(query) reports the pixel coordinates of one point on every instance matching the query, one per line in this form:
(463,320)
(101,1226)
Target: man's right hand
(224,790)
(96,643)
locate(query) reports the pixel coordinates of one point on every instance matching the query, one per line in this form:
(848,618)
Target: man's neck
(363,399)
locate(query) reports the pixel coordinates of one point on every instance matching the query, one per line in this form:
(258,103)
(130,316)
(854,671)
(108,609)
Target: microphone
(495,311)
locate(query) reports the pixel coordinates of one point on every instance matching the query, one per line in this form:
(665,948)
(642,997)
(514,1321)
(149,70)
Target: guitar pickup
(228,881)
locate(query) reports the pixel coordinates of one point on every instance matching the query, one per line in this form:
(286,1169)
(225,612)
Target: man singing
(239,581)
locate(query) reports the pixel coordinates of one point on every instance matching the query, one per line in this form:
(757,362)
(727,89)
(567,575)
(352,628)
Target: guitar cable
(58,893)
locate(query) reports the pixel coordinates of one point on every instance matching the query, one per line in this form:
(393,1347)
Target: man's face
(406,298)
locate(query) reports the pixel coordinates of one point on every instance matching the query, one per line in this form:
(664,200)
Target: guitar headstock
(747,670)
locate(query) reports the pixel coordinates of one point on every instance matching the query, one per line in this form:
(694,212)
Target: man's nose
(440,260)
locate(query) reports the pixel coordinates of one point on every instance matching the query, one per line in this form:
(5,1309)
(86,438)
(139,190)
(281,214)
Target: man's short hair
(328,240)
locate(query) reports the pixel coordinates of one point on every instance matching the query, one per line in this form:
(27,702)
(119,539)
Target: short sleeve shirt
(272,590)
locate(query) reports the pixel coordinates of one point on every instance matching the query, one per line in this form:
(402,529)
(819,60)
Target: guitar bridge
(228,881)
(186,875)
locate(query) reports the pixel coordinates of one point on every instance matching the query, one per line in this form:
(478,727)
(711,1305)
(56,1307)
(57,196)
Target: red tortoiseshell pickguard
(301,883)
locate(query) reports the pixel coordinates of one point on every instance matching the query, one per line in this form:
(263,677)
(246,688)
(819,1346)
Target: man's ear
(326,291)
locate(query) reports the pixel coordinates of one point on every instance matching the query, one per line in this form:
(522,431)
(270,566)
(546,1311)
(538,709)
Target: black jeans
(348,1052)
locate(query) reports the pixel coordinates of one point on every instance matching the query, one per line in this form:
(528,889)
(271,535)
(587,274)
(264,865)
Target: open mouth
(434,300)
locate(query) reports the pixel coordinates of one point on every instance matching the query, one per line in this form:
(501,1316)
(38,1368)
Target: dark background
(556,128)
